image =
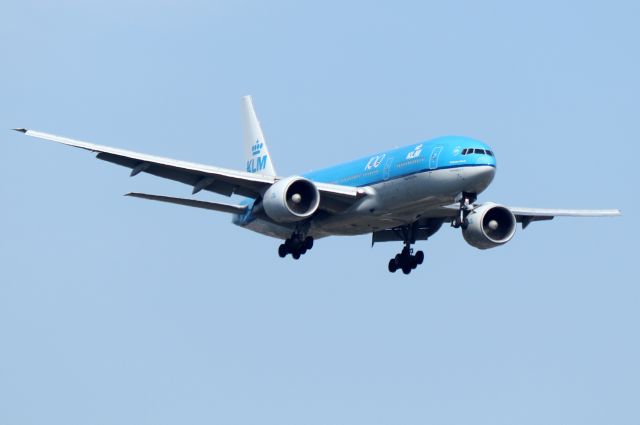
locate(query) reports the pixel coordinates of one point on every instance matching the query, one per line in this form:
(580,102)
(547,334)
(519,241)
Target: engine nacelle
(291,199)
(489,225)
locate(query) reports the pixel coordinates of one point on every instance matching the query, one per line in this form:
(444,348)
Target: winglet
(21,130)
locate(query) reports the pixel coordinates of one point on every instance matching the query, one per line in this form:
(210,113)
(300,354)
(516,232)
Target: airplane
(404,194)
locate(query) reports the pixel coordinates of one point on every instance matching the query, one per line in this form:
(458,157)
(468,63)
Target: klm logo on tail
(255,149)
(257,162)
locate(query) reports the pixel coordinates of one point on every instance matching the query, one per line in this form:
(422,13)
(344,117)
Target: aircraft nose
(481,178)
(488,173)
(489,158)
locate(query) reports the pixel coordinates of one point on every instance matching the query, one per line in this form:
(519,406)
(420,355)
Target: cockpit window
(470,151)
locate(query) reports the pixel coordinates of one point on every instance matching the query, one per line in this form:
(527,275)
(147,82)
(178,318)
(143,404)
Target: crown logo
(255,149)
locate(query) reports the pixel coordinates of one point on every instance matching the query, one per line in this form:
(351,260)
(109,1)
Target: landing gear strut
(466,205)
(406,260)
(296,245)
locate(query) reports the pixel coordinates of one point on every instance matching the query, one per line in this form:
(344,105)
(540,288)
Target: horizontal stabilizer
(214,206)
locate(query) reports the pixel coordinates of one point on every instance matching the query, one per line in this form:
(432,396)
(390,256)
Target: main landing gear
(406,260)
(466,205)
(296,245)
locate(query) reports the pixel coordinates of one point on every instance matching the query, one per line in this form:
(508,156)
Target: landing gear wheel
(413,262)
(297,245)
(406,260)
(393,265)
(409,259)
(308,243)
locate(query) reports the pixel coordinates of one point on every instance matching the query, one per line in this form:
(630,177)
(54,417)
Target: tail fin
(256,151)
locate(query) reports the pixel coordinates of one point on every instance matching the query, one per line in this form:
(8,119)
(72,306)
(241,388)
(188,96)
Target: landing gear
(296,246)
(406,260)
(466,205)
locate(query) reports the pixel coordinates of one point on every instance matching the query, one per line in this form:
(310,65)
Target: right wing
(201,177)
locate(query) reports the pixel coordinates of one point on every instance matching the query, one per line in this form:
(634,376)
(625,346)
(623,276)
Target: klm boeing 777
(404,194)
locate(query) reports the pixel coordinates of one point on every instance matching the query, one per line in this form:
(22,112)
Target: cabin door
(433,159)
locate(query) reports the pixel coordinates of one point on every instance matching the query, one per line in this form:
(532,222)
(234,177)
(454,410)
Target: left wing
(433,218)
(201,177)
(528,215)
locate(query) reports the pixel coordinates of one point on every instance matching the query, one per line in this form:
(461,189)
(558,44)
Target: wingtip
(135,194)
(21,130)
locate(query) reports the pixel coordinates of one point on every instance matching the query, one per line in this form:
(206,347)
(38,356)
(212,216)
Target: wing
(433,218)
(201,177)
(528,215)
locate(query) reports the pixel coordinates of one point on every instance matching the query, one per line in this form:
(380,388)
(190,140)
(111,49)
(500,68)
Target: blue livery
(436,154)
(403,194)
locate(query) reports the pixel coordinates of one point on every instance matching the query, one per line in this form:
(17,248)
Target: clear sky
(122,311)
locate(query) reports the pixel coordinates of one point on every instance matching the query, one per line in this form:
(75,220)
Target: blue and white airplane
(404,194)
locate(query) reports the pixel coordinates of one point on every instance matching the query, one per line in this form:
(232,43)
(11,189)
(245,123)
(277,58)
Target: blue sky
(117,310)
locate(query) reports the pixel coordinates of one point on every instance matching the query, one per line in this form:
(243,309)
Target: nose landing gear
(296,245)
(466,205)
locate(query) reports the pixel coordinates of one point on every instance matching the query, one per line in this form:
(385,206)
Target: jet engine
(291,199)
(489,225)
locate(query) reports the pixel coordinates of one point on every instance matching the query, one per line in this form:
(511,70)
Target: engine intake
(489,225)
(291,199)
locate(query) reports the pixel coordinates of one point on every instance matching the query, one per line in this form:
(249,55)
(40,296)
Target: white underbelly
(393,203)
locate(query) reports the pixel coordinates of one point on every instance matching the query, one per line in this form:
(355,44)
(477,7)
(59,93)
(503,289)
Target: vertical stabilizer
(256,151)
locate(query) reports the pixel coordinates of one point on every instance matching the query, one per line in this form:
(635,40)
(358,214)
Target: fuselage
(403,183)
